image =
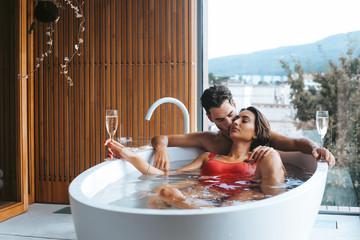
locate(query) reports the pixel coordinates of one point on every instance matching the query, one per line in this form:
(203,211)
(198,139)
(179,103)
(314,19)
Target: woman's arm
(117,150)
(195,165)
(271,171)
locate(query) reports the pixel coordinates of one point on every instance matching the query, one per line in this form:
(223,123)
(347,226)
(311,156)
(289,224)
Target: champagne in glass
(322,121)
(111,122)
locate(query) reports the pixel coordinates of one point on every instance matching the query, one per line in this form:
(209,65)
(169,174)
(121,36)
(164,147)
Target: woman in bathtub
(249,130)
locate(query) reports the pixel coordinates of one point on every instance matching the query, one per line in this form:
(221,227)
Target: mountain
(267,62)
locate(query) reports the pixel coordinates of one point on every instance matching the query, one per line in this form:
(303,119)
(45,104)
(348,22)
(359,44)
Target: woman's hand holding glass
(117,150)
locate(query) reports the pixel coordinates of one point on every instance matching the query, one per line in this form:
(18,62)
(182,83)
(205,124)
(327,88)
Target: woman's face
(243,126)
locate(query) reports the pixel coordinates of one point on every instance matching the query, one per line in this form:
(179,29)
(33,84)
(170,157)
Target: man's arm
(284,143)
(179,140)
(304,145)
(161,143)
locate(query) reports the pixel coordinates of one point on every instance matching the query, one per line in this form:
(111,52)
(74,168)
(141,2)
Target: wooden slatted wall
(134,52)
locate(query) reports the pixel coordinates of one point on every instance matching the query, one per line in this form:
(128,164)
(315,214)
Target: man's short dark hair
(215,96)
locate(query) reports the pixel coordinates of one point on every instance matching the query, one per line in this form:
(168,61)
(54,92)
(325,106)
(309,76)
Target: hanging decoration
(48,12)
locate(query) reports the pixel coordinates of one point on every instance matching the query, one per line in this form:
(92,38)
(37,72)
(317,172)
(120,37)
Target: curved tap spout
(170,100)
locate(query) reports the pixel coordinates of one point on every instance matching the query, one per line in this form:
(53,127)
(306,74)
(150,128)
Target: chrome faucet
(170,100)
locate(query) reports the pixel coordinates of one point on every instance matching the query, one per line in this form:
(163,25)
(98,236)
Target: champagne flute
(322,121)
(111,122)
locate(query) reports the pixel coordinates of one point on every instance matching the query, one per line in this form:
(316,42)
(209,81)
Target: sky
(245,26)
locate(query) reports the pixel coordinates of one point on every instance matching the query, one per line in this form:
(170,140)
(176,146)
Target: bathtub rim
(75,194)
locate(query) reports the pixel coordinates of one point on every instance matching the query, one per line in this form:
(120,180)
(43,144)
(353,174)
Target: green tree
(211,78)
(304,101)
(339,93)
(217,80)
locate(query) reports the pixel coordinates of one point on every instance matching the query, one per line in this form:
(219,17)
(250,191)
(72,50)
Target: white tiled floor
(337,227)
(41,223)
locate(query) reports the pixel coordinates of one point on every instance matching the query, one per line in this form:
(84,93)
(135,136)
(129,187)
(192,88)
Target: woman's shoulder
(271,160)
(272,156)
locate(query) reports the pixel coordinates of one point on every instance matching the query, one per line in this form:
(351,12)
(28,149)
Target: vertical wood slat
(135,64)
(31,109)
(162,81)
(86,82)
(130,65)
(57,102)
(92,53)
(158,50)
(74,103)
(134,53)
(181,80)
(174,60)
(99,81)
(118,60)
(36,134)
(192,61)
(42,129)
(61,138)
(170,79)
(186,49)
(141,76)
(123,62)
(22,105)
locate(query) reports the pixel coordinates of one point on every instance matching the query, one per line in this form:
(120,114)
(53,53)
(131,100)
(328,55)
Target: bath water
(136,190)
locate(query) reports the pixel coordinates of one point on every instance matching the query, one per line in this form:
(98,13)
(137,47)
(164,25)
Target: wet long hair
(262,128)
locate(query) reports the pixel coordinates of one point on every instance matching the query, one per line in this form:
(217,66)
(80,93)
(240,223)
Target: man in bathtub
(221,110)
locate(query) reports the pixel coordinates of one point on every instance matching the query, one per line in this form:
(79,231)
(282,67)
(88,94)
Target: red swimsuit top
(218,168)
(228,178)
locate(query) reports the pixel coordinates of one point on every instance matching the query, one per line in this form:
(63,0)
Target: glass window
(289,60)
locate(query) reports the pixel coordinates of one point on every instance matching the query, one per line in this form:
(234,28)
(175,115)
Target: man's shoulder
(203,134)
(212,137)
(207,140)
(215,142)
(210,134)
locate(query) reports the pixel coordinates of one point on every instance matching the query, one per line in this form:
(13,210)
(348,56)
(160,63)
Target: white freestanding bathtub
(289,215)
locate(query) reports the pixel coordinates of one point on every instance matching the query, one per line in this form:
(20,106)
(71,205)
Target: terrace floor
(52,221)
